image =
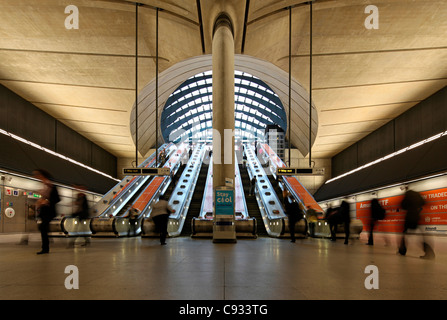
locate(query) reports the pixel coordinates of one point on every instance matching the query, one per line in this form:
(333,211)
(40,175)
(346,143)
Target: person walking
(252,186)
(346,218)
(46,206)
(377,213)
(340,215)
(82,213)
(312,218)
(133,215)
(294,213)
(413,203)
(160,215)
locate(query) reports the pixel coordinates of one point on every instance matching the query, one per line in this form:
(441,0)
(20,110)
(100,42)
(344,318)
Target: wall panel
(376,144)
(345,160)
(73,145)
(103,159)
(22,118)
(427,118)
(424,120)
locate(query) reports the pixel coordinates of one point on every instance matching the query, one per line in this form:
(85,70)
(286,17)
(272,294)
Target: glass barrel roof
(187,114)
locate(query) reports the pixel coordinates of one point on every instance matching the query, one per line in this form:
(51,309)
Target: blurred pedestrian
(377,213)
(134,213)
(341,215)
(252,186)
(312,218)
(412,204)
(162,158)
(46,206)
(82,214)
(160,215)
(285,194)
(294,213)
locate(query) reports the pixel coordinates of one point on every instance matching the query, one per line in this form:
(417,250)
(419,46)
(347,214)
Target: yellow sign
(285,171)
(132,171)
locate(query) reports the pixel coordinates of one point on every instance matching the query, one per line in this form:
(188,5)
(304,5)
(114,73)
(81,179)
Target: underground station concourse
(234,151)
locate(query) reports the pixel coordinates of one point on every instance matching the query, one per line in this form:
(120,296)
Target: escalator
(112,204)
(194,208)
(203,224)
(252,204)
(278,187)
(180,197)
(173,183)
(119,225)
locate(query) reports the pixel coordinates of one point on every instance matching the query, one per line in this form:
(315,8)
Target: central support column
(224,228)
(223,100)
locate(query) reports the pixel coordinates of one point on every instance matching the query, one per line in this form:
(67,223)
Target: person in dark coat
(252,186)
(413,203)
(377,213)
(294,213)
(46,206)
(337,216)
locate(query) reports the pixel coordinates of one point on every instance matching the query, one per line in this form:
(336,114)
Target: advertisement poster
(224,202)
(433,218)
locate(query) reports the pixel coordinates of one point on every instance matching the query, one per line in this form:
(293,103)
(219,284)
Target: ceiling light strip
(415,145)
(16,137)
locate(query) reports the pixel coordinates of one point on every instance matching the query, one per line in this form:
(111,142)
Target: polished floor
(191,269)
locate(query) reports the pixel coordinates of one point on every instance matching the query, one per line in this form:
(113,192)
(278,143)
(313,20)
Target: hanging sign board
(299,171)
(146,171)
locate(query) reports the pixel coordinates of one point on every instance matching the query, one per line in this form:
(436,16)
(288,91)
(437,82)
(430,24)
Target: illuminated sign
(299,171)
(131,171)
(146,171)
(285,171)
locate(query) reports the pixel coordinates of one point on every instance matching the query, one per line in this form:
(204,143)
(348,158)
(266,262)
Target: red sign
(434,211)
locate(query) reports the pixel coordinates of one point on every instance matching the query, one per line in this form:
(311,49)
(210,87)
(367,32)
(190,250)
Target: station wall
(25,120)
(422,121)
(18,196)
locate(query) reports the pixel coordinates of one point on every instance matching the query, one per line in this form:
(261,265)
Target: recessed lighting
(35,145)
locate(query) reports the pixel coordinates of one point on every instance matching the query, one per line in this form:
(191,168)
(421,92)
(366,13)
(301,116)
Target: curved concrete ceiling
(362,78)
(274,77)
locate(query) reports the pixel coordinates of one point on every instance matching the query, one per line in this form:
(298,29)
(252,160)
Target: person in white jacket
(160,215)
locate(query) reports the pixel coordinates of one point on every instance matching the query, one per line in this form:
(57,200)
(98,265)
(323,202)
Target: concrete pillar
(223,100)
